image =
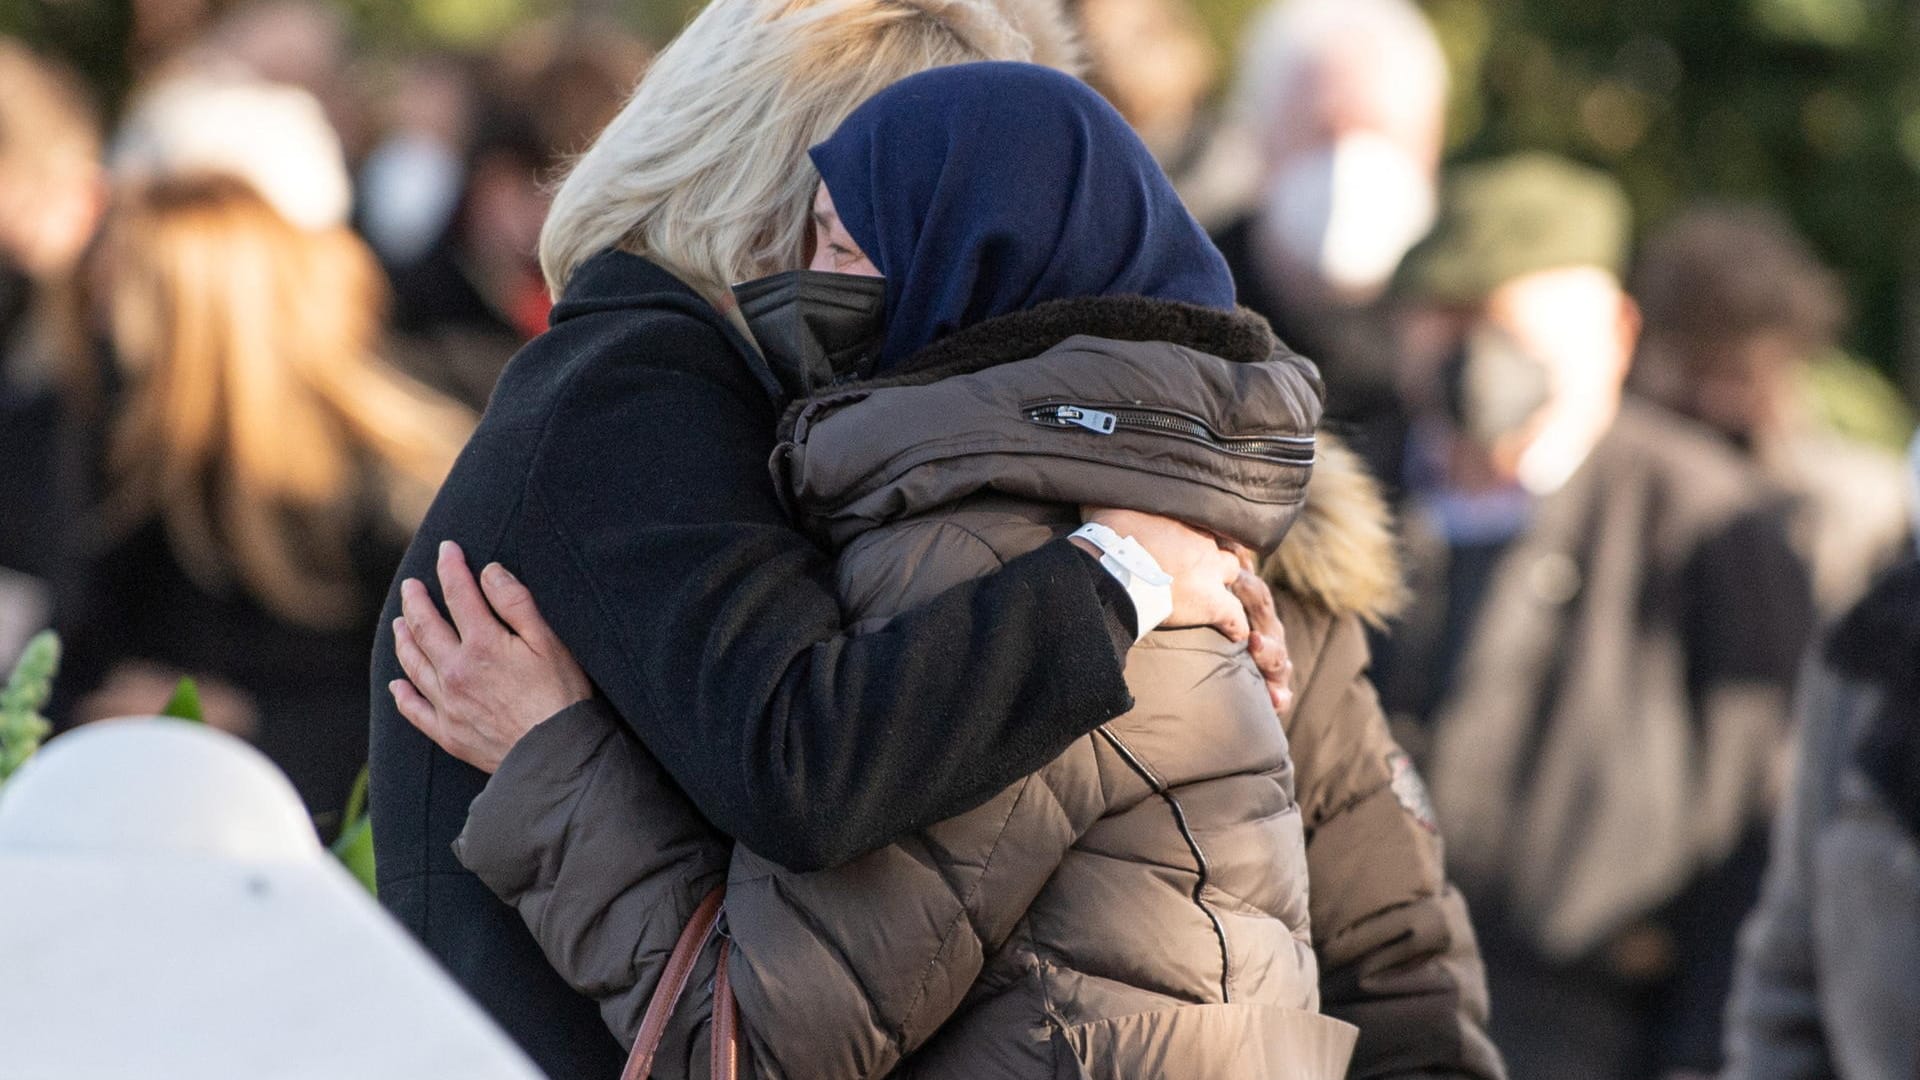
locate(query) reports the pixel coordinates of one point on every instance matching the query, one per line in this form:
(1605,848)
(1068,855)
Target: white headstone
(167,913)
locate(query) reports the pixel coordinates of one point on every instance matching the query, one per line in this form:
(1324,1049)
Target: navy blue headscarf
(985,189)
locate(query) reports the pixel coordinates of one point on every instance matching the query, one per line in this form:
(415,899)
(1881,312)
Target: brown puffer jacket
(1137,908)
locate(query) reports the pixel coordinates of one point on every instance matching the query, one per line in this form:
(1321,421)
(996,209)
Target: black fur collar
(1239,336)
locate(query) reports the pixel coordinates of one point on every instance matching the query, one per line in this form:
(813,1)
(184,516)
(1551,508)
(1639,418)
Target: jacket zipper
(1107,419)
(1203,873)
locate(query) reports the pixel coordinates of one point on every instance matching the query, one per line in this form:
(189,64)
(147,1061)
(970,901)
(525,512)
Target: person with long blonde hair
(263,466)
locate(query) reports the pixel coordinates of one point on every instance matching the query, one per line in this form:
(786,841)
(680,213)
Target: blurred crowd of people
(246,327)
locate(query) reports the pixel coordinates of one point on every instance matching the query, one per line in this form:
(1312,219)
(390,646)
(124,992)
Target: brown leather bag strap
(726,1021)
(673,983)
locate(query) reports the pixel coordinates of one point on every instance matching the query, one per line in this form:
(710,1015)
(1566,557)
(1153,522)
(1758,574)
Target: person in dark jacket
(1740,319)
(1606,619)
(1826,986)
(1345,101)
(620,470)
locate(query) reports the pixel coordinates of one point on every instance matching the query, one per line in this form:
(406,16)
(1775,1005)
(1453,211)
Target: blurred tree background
(1811,105)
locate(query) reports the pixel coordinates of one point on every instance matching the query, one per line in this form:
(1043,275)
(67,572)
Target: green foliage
(22,728)
(185,703)
(1851,399)
(1812,106)
(354,846)
(459,24)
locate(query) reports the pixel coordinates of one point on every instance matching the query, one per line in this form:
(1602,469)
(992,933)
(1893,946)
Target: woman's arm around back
(652,536)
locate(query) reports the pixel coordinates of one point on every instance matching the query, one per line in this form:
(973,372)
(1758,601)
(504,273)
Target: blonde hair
(705,170)
(259,425)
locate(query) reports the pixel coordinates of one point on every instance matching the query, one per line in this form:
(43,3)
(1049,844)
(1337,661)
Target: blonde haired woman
(264,468)
(621,470)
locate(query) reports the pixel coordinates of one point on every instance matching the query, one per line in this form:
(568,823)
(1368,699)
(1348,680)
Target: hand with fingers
(1213,585)
(477,685)
(1267,638)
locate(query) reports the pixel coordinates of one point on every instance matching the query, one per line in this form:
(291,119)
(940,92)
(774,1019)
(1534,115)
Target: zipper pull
(1100,423)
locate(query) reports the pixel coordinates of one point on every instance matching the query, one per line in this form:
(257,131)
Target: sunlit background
(1810,104)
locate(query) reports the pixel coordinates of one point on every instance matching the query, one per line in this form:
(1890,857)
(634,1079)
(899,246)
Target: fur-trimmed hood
(1340,554)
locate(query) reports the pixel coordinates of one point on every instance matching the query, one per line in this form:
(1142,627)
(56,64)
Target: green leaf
(354,849)
(31,683)
(1850,398)
(354,846)
(357,798)
(22,728)
(185,703)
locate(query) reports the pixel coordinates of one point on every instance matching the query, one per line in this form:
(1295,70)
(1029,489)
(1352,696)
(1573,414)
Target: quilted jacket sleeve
(586,836)
(1397,955)
(603,857)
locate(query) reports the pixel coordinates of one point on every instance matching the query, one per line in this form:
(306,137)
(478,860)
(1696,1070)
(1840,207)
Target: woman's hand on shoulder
(477,685)
(1213,585)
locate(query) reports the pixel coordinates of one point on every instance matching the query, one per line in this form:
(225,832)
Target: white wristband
(1150,587)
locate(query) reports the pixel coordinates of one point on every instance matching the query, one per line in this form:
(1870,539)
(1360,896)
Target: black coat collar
(616,280)
(1240,336)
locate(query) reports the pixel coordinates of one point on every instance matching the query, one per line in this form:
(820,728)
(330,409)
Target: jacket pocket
(1272,447)
(1240,1041)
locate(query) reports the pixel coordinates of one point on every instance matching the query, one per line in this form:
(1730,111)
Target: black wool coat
(621,472)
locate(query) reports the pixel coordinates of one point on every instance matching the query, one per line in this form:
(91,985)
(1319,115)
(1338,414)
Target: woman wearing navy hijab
(935,180)
(1053,331)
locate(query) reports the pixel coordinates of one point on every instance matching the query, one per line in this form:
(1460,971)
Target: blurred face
(834,249)
(1564,337)
(1351,172)
(506,207)
(46,224)
(1739,387)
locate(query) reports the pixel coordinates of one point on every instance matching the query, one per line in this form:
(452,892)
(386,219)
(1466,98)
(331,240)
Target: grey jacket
(1829,977)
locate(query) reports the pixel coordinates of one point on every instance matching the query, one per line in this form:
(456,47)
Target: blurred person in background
(466,303)
(1606,616)
(464,306)
(409,184)
(300,43)
(1737,312)
(263,467)
(1346,100)
(1826,985)
(52,193)
(1155,62)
